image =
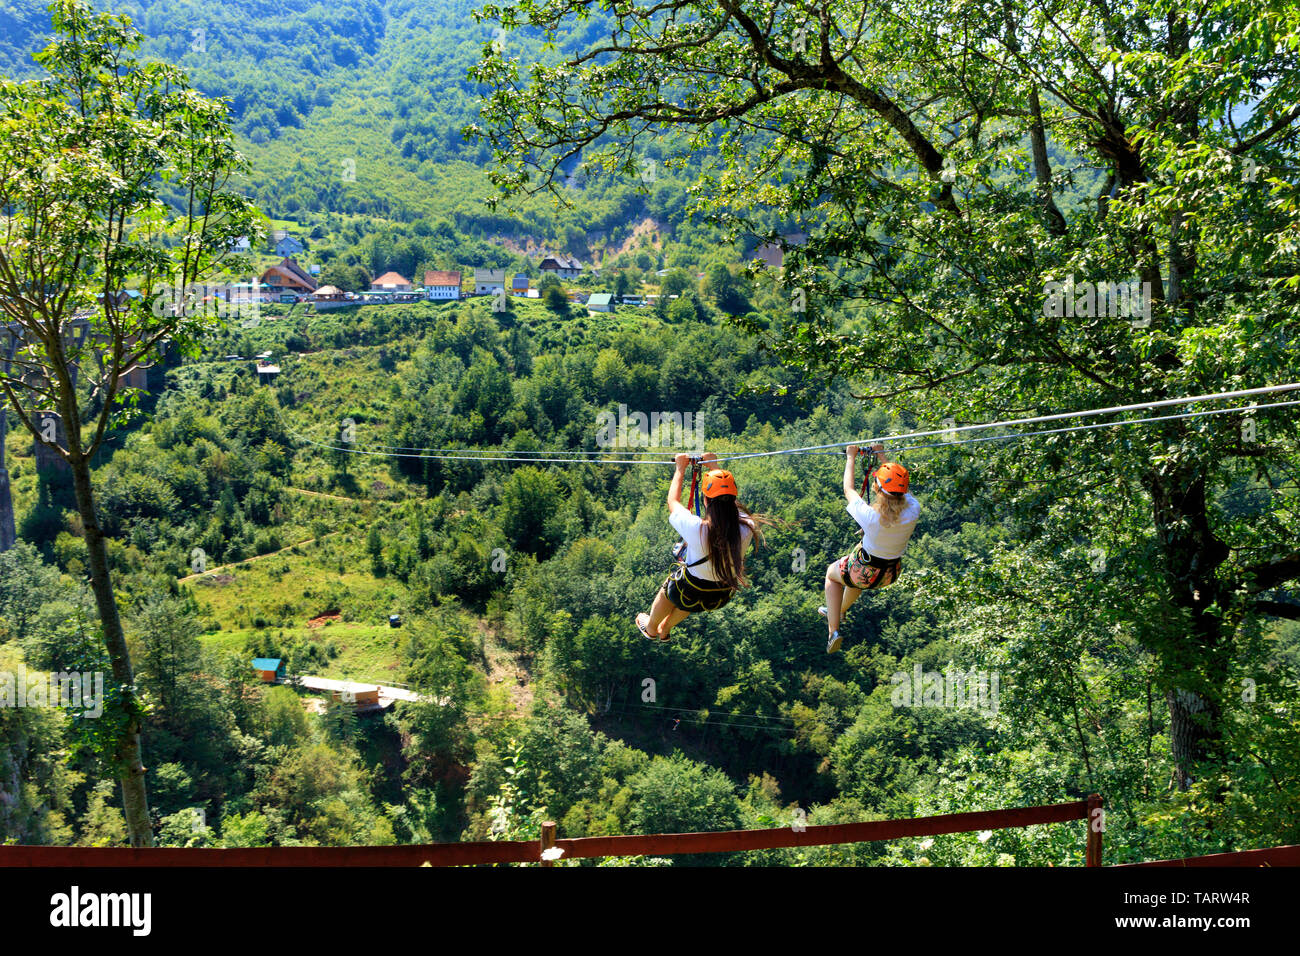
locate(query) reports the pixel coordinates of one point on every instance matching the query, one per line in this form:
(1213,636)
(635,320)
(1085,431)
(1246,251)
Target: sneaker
(822,610)
(833,642)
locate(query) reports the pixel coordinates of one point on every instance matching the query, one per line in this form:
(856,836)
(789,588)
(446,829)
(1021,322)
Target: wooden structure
(270,669)
(364,696)
(531,851)
(1268,856)
(287,277)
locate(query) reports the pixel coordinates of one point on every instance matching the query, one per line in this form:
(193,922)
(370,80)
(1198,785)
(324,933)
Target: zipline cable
(817,449)
(1088,413)
(1082,428)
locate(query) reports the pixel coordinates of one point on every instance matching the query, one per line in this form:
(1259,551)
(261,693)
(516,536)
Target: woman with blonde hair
(887,525)
(712,563)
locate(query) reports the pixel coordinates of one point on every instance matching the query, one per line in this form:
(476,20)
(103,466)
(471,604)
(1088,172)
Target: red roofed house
(442,286)
(390,282)
(288,277)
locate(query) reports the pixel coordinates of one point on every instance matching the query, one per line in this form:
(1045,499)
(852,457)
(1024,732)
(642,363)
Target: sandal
(641,626)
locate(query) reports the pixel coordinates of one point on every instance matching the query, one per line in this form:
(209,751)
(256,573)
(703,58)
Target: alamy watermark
(217,301)
(953,688)
(1124,300)
(655,430)
(73,690)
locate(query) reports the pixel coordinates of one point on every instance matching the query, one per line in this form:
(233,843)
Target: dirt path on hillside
(504,670)
(321,494)
(256,557)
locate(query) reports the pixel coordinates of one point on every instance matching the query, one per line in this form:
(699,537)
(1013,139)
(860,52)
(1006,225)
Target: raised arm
(682,461)
(850,457)
(850,485)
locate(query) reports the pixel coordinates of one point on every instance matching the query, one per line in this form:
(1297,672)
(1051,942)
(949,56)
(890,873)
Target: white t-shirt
(691,528)
(879,541)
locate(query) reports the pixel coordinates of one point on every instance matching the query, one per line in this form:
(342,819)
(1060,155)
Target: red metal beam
(435,854)
(662,844)
(466,854)
(1268,856)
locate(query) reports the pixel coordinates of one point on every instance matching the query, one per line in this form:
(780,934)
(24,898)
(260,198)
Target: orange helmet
(719,482)
(892,478)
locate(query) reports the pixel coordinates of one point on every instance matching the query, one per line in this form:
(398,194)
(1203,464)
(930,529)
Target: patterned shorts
(865,572)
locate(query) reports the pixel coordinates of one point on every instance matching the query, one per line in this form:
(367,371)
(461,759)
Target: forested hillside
(359,109)
(535,653)
(416,494)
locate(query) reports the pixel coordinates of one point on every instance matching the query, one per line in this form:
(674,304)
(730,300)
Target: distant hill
(342,108)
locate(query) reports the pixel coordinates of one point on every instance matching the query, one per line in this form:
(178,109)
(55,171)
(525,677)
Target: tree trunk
(1195,659)
(127,754)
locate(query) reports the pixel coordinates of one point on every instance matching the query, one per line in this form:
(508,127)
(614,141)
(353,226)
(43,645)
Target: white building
(489,281)
(442,286)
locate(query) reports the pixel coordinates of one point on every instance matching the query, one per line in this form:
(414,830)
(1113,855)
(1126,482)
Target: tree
(113,172)
(973,192)
(677,795)
(169,653)
(530,500)
(725,289)
(556,300)
(676,282)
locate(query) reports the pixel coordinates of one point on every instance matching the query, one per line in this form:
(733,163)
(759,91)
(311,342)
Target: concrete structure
(51,423)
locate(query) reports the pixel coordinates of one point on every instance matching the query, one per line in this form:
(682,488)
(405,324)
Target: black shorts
(689,593)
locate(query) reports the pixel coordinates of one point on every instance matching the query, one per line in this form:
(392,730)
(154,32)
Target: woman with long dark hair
(713,564)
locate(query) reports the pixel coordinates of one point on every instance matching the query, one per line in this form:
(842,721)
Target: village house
(391,282)
(519,284)
(285,244)
(269,669)
(564,267)
(287,278)
(600,302)
(489,281)
(442,286)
